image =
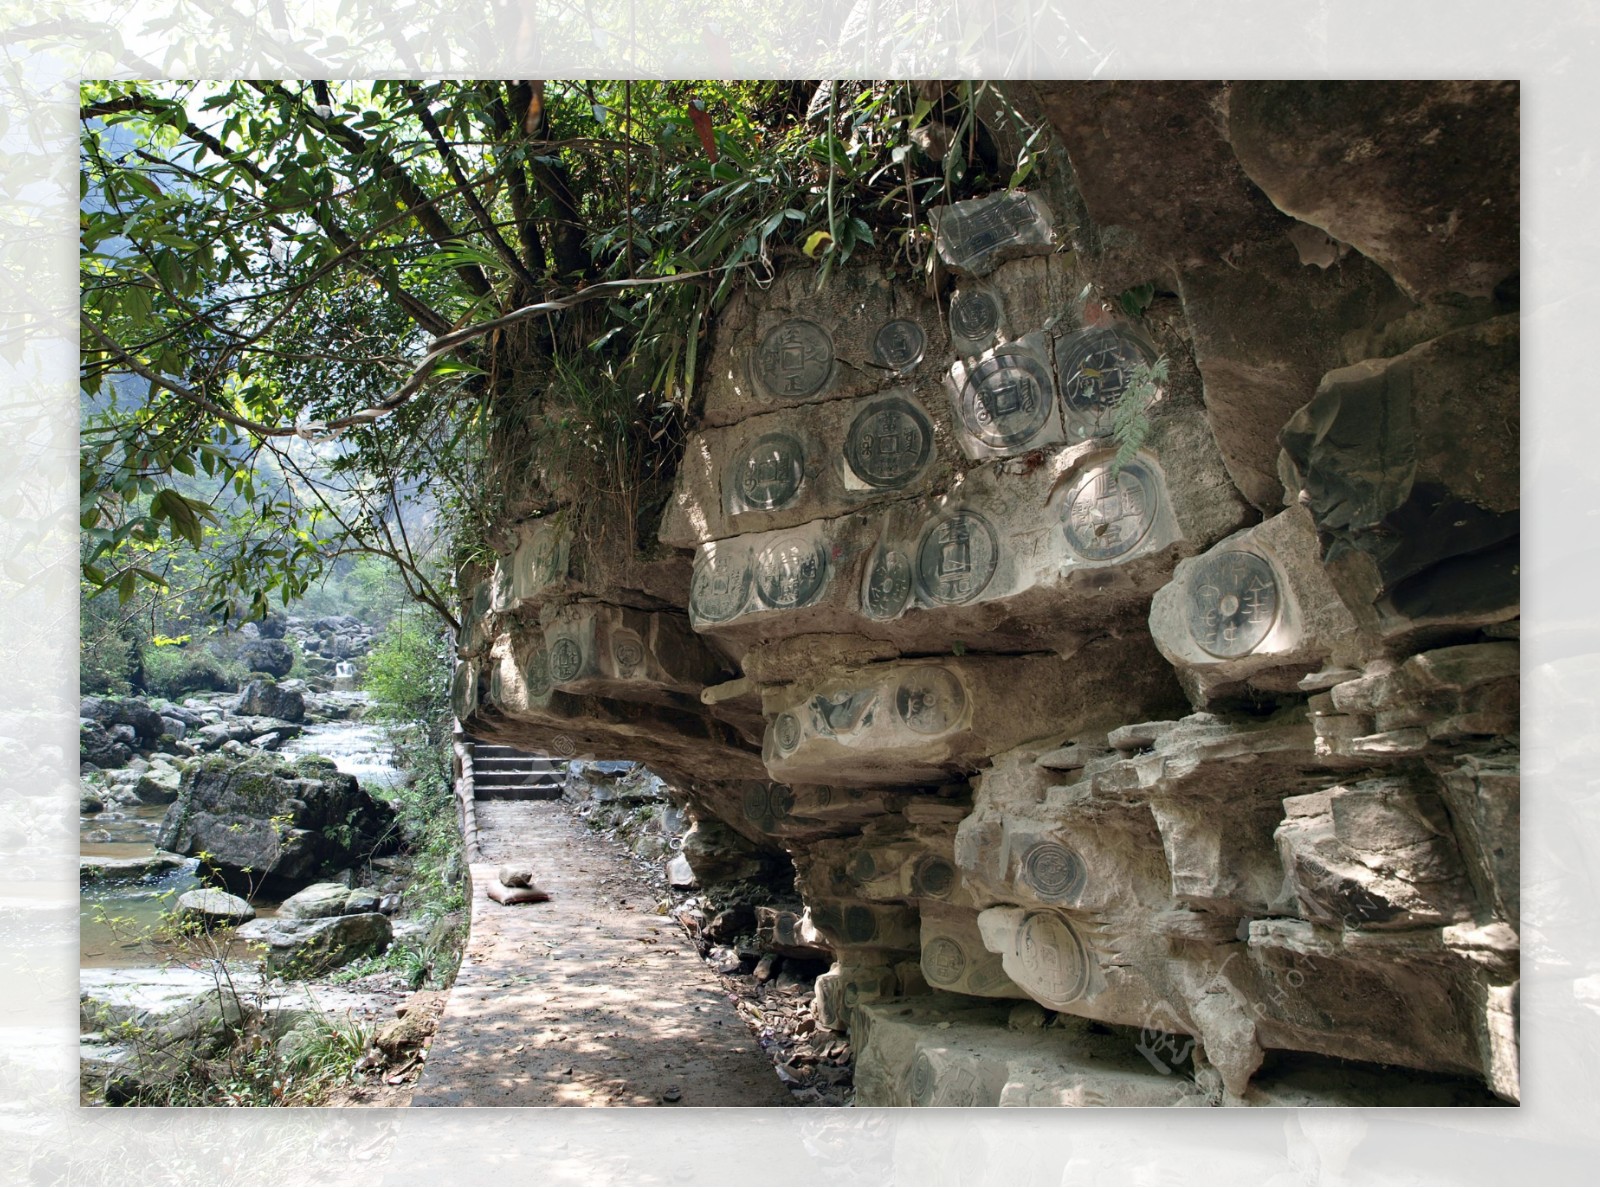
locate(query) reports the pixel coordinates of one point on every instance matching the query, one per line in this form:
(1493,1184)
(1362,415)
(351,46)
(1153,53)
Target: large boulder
(243,729)
(316,902)
(207,907)
(271,656)
(96,746)
(1420,176)
(111,712)
(273,626)
(266,824)
(159,785)
(1409,467)
(306,948)
(267,699)
(717,854)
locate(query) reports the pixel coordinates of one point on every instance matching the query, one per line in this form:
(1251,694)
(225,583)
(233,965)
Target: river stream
(118,920)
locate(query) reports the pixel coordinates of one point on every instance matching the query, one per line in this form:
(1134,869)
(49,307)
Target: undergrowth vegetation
(408,676)
(227,1047)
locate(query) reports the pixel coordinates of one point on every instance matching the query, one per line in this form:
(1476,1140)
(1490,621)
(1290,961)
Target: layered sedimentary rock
(1119,636)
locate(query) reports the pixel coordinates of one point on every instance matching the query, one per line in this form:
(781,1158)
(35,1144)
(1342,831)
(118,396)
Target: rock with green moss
(263,824)
(306,948)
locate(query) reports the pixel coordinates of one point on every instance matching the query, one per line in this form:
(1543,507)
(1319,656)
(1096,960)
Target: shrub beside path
(589,999)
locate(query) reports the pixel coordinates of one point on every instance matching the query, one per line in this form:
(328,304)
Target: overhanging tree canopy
(305,304)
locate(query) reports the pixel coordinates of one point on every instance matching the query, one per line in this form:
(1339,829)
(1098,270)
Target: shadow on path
(589,999)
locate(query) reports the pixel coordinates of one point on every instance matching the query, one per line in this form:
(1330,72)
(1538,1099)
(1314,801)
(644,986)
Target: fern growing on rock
(1130,422)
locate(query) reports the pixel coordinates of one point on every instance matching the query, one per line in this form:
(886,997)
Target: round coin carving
(975,316)
(545,563)
(768,474)
(780,802)
(888,584)
(930,700)
(1052,962)
(889,443)
(566,659)
(862,867)
(790,572)
(860,925)
(721,586)
(1007,399)
(943,961)
(1106,516)
(933,876)
(627,649)
(899,344)
(1053,870)
(1233,602)
(957,558)
(1096,366)
(539,674)
(794,359)
(921,1080)
(786,732)
(757,803)
(986,975)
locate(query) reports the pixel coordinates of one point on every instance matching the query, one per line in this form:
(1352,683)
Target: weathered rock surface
(270,825)
(207,906)
(271,656)
(318,901)
(306,948)
(1415,492)
(1189,778)
(1422,177)
(266,699)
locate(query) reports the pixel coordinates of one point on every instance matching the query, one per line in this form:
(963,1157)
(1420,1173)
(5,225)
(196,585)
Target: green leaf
(814,242)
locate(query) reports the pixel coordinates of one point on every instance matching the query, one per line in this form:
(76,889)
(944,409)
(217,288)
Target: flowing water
(117,920)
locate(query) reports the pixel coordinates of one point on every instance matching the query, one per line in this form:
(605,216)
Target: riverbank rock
(268,699)
(306,948)
(207,906)
(265,824)
(271,656)
(97,748)
(127,870)
(143,1028)
(159,783)
(315,902)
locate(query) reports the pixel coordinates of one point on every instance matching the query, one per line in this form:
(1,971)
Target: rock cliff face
(1190,779)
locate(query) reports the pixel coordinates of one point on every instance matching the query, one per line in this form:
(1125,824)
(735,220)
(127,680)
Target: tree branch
(437,350)
(517,186)
(405,187)
(419,104)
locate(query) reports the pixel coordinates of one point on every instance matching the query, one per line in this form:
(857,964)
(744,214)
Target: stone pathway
(589,999)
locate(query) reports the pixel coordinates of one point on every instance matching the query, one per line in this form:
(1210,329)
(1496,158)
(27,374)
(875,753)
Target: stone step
(518,792)
(501,781)
(491,779)
(515,763)
(497,749)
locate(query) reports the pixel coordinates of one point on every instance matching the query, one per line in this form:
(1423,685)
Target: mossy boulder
(262,824)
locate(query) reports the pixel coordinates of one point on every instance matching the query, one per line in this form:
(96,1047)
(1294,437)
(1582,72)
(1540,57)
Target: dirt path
(590,999)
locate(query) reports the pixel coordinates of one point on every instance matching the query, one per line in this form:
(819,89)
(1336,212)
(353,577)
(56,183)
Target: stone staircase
(505,773)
